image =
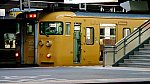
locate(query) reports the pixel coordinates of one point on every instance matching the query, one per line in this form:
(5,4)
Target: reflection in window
(30,29)
(51,28)
(89,35)
(67,28)
(9,39)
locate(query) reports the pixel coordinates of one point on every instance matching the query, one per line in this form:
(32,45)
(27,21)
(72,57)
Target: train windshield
(9,39)
(51,28)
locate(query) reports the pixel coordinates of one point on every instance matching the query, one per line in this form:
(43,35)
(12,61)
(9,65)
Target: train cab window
(89,35)
(126,32)
(51,28)
(9,39)
(68,25)
(30,29)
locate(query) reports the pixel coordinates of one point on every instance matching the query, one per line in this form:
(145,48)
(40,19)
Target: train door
(107,36)
(77,43)
(27,42)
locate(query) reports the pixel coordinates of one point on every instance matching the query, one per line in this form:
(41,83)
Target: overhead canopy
(88,1)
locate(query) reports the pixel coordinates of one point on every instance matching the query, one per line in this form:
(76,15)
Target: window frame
(50,22)
(90,36)
(33,29)
(66,29)
(123,35)
(10,41)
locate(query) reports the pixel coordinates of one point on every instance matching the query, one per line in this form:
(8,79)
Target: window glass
(102,33)
(89,35)
(9,39)
(51,28)
(67,28)
(30,29)
(112,31)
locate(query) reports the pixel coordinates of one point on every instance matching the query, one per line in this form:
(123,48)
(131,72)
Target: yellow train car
(66,38)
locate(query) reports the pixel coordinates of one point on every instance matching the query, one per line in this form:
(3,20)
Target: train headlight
(48,56)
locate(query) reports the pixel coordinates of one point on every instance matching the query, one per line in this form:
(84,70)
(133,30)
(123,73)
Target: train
(70,38)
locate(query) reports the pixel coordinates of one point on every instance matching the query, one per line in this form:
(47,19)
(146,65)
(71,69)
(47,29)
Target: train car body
(66,38)
(7,42)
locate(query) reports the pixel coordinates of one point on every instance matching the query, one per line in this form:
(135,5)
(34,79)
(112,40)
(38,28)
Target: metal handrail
(133,33)
(123,43)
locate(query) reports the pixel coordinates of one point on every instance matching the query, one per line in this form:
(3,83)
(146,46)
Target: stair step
(141,52)
(141,65)
(144,49)
(136,60)
(146,45)
(139,56)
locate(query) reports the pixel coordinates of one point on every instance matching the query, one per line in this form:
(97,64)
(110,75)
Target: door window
(77,43)
(89,35)
(30,29)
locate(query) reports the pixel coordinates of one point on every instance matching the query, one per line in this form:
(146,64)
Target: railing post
(104,58)
(114,50)
(108,58)
(124,46)
(139,35)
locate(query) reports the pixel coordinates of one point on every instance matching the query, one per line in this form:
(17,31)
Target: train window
(126,31)
(112,33)
(68,28)
(51,28)
(30,29)
(102,33)
(9,39)
(89,35)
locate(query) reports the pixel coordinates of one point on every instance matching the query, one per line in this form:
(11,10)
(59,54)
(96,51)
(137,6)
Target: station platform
(75,75)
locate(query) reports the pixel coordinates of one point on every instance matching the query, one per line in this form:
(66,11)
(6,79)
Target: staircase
(140,58)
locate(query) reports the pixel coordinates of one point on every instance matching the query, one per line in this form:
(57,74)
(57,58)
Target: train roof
(113,15)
